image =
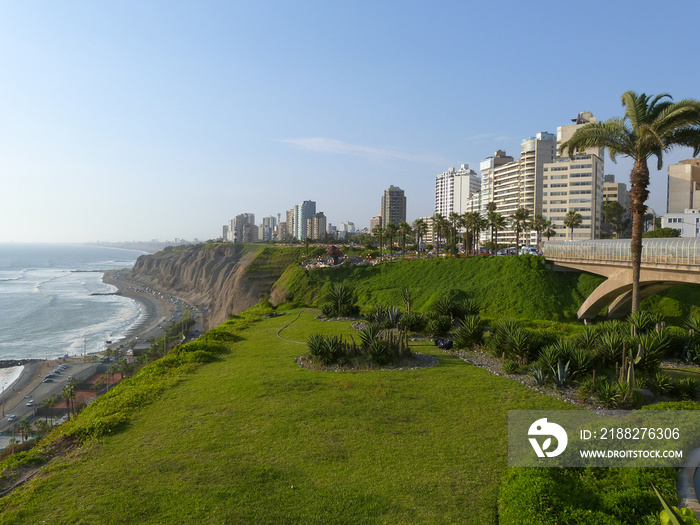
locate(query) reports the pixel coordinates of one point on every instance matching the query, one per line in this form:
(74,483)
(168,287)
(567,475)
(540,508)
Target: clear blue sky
(134,120)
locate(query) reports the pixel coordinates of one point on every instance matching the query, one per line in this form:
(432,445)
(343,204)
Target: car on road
(11,417)
(47,380)
(528,250)
(30,403)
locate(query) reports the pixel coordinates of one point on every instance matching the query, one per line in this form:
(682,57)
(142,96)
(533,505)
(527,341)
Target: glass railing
(657,251)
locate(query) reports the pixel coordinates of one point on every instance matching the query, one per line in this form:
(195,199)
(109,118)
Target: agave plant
(469,333)
(539,375)
(393,315)
(342,299)
(410,322)
(549,356)
(560,373)
(687,388)
(654,345)
(370,332)
(588,338)
(607,393)
(376,314)
(642,322)
(609,348)
(692,323)
(378,351)
(662,383)
(438,326)
(446,306)
(580,361)
(613,326)
(315,345)
(469,307)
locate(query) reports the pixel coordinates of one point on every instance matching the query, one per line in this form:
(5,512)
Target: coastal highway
(37,390)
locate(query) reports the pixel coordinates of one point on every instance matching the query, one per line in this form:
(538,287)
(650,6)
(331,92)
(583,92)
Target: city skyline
(153,120)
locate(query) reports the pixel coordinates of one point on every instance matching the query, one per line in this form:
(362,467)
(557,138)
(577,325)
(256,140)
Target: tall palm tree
(420,227)
(650,127)
(438,222)
(497,222)
(454,219)
(390,230)
(377,232)
(538,223)
(519,221)
(404,230)
(573,219)
(548,229)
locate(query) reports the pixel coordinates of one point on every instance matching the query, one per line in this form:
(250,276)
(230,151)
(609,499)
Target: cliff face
(225,278)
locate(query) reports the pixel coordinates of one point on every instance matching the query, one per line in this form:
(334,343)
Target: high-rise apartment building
(574,181)
(516,184)
(453,189)
(683,186)
(291,230)
(316,226)
(393,206)
(302,213)
(487,168)
(282,234)
(240,228)
(268,228)
(374,222)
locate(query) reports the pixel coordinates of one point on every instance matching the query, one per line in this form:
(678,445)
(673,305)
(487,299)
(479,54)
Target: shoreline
(154,310)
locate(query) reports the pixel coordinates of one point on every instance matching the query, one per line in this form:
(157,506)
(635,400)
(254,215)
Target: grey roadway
(38,392)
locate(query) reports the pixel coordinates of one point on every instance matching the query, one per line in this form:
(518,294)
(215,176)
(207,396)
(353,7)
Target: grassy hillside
(253,438)
(516,287)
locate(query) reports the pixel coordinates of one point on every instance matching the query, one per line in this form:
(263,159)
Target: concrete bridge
(665,263)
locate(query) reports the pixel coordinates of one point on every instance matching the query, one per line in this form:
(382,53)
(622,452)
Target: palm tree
(519,220)
(497,222)
(420,228)
(573,219)
(548,229)
(390,230)
(438,222)
(454,219)
(377,232)
(538,223)
(404,230)
(69,394)
(650,127)
(24,427)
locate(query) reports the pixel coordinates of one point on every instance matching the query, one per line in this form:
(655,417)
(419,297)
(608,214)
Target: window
(581,183)
(559,185)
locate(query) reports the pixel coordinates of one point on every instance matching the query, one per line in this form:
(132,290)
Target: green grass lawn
(253,438)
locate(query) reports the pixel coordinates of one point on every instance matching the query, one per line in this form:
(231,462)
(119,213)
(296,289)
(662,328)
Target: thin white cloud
(325,145)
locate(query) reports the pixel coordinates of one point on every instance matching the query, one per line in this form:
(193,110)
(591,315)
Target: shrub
(643,321)
(608,393)
(580,361)
(370,332)
(510,366)
(588,338)
(549,357)
(468,307)
(378,351)
(446,306)
(327,350)
(376,315)
(686,388)
(412,322)
(392,316)
(438,326)
(609,347)
(342,301)
(661,384)
(469,333)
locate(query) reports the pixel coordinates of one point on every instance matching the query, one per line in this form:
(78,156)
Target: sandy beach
(155,309)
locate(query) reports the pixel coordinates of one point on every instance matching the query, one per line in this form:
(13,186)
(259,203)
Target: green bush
(438,326)
(612,496)
(469,333)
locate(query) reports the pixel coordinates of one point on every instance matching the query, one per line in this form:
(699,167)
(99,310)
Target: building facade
(453,189)
(393,206)
(683,186)
(687,222)
(316,226)
(302,213)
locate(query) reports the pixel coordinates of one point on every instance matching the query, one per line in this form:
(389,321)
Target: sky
(140,120)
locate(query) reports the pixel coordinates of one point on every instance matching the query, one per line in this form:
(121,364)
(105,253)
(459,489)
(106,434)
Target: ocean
(47,309)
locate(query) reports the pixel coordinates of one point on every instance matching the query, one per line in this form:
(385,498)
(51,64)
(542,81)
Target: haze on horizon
(141,120)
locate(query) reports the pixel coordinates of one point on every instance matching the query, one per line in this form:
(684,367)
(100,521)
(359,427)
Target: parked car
(11,417)
(528,250)
(30,403)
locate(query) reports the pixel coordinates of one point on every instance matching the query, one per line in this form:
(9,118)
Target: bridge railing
(656,251)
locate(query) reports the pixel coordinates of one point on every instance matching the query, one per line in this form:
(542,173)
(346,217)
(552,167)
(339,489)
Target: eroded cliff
(225,278)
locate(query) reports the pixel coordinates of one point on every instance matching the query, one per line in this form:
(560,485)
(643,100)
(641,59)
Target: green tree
(520,221)
(24,428)
(538,223)
(661,233)
(390,230)
(650,127)
(438,228)
(378,231)
(404,231)
(421,228)
(69,394)
(496,222)
(455,221)
(573,219)
(613,214)
(548,229)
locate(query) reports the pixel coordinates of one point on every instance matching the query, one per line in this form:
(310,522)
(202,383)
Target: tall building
(683,186)
(374,222)
(291,230)
(240,228)
(487,168)
(575,182)
(302,213)
(453,189)
(616,191)
(282,234)
(516,184)
(393,206)
(316,226)
(268,228)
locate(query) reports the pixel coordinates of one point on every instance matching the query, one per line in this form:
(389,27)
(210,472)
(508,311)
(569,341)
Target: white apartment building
(302,213)
(687,222)
(487,168)
(453,189)
(575,183)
